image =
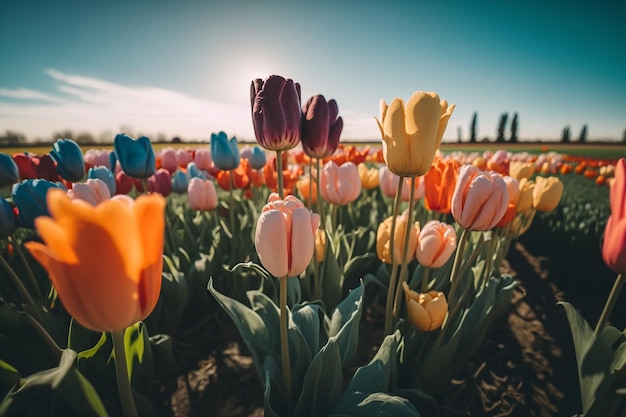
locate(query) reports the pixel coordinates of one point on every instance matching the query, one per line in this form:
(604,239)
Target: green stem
(52,344)
(29,270)
(284,340)
(319,202)
(489,261)
(279,174)
(310,199)
(458,260)
(121,373)
(407,237)
(425,279)
(20,286)
(610,303)
(392,278)
(231,214)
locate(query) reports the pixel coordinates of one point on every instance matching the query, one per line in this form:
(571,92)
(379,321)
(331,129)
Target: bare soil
(525,367)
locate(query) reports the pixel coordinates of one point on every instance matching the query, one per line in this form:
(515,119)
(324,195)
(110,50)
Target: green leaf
(262,272)
(322,383)
(139,357)
(9,376)
(331,277)
(250,325)
(65,381)
(378,404)
(309,319)
(344,325)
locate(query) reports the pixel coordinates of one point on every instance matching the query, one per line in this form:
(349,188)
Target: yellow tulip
(547,193)
(412,134)
(519,169)
(104,261)
(383,239)
(425,311)
(369,176)
(525,199)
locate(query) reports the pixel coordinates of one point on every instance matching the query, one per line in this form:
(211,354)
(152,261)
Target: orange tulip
(439,184)
(105,261)
(369,176)
(307,188)
(240,177)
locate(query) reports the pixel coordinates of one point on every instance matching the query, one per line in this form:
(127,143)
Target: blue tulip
(7,219)
(30,198)
(9,173)
(225,153)
(195,172)
(136,157)
(103,173)
(69,158)
(180,181)
(112,161)
(257,158)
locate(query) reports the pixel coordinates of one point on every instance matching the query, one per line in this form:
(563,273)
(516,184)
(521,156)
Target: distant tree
(62,134)
(502,127)
(12,138)
(459,134)
(583,134)
(85,138)
(472,138)
(566,136)
(176,139)
(624,136)
(514,128)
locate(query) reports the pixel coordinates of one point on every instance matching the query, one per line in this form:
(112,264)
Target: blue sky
(184,67)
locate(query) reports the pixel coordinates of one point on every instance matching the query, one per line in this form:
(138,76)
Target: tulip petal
(302,241)
(271,242)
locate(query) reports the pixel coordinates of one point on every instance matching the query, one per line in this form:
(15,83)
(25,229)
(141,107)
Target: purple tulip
(320,127)
(276,113)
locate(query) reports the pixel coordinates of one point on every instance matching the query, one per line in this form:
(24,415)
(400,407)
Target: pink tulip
(168,159)
(285,236)
(480,198)
(183,157)
(388,181)
(341,185)
(437,241)
(203,160)
(512,186)
(614,246)
(98,157)
(418,193)
(201,194)
(93,191)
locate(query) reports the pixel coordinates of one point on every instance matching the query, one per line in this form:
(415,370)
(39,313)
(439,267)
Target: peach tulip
(383,239)
(480,198)
(614,245)
(436,243)
(307,188)
(500,162)
(93,191)
(320,244)
(547,193)
(411,134)
(105,261)
(425,311)
(340,185)
(285,236)
(201,194)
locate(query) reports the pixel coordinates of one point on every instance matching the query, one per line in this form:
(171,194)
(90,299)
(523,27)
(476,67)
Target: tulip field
(303,276)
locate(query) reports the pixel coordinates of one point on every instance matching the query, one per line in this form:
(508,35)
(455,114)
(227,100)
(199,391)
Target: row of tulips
(284,243)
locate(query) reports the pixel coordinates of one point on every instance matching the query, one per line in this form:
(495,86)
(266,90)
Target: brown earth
(525,367)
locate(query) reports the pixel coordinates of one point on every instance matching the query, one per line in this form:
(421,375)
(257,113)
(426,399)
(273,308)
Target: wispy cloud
(87,104)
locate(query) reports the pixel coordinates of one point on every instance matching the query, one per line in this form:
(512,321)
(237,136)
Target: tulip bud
(369,176)
(30,198)
(93,191)
(412,134)
(614,245)
(135,156)
(321,127)
(225,152)
(425,311)
(9,173)
(69,158)
(104,174)
(383,239)
(201,194)
(276,113)
(547,193)
(480,198)
(340,185)
(436,243)
(285,236)
(519,170)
